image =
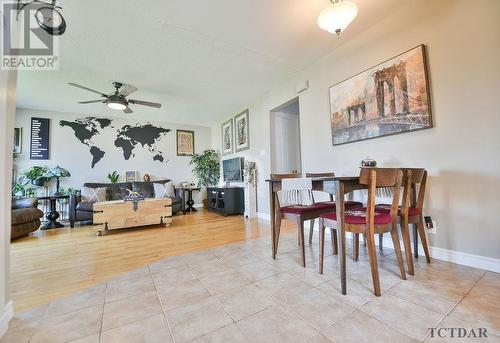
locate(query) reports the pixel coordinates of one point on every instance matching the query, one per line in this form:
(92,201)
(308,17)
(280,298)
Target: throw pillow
(93,195)
(164,190)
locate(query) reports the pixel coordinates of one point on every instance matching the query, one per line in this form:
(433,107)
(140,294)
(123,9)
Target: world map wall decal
(127,137)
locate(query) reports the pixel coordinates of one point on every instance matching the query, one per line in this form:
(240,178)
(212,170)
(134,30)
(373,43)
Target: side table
(52,215)
(189,201)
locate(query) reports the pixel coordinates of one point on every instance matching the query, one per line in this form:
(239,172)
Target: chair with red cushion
(368,221)
(298,213)
(411,213)
(347,204)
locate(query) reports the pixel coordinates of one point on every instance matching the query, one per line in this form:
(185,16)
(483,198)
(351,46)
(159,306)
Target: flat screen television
(232,169)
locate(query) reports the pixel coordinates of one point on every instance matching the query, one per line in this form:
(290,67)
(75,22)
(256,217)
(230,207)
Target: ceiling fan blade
(86,88)
(128,110)
(89,102)
(126,90)
(145,103)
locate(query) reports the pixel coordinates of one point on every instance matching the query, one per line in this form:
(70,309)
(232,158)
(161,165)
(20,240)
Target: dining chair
(297,212)
(347,205)
(367,221)
(410,212)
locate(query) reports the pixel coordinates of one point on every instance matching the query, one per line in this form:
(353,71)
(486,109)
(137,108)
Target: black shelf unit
(226,200)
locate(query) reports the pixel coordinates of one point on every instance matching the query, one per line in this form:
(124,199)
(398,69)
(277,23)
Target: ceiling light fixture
(337,16)
(116,104)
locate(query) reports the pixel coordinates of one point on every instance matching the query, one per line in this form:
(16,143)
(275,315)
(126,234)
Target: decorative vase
(368,162)
(146,178)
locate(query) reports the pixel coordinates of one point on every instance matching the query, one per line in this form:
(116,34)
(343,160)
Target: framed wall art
(227,137)
(389,98)
(18,140)
(131,175)
(185,143)
(242,131)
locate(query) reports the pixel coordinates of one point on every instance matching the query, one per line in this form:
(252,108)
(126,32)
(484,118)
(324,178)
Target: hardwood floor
(52,264)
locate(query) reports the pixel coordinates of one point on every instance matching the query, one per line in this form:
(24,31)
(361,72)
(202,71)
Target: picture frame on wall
(242,131)
(131,175)
(18,140)
(185,143)
(227,137)
(389,98)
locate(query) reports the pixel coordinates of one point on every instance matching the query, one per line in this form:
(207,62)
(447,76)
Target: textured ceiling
(203,60)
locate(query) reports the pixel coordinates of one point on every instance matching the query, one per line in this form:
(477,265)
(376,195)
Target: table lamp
(57,172)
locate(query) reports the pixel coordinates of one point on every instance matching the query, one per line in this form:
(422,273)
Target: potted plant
(36,175)
(206,169)
(114,176)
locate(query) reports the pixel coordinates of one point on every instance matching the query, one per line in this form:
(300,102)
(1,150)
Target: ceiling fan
(117,100)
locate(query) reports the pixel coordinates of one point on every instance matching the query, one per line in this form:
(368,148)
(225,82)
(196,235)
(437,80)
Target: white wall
(68,152)
(461,153)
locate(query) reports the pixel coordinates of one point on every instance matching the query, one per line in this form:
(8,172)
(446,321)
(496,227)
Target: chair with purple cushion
(411,213)
(299,213)
(347,205)
(368,221)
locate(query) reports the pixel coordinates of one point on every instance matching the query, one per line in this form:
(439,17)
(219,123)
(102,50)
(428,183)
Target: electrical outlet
(433,229)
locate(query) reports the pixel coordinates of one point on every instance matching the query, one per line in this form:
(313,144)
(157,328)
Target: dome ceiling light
(337,16)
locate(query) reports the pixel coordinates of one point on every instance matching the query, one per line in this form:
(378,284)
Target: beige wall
(8,82)
(461,153)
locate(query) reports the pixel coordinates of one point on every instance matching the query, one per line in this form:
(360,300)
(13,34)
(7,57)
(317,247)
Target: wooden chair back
(313,175)
(320,174)
(285,176)
(381,177)
(411,178)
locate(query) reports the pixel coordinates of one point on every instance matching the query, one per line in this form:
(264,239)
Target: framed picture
(389,98)
(18,140)
(131,175)
(227,137)
(185,143)
(242,131)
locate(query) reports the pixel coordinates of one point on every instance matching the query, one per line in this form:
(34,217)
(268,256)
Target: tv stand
(226,200)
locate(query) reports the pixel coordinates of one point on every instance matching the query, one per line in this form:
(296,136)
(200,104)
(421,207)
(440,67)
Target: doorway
(285,138)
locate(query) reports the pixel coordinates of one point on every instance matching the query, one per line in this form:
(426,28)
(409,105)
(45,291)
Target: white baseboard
(6,316)
(198,205)
(466,259)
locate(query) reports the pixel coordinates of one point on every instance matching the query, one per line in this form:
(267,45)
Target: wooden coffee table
(119,214)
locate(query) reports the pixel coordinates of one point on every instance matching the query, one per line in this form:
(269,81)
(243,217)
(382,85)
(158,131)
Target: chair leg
(333,233)
(321,244)
(423,239)
(397,248)
(278,230)
(372,255)
(380,241)
(406,241)
(72,224)
(311,229)
(415,241)
(300,224)
(355,247)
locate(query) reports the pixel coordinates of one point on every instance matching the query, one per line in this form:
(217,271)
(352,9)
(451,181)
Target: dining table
(338,186)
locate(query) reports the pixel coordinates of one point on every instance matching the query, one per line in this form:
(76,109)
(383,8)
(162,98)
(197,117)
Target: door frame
(271,129)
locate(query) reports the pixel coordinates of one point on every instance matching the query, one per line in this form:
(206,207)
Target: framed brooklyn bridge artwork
(389,98)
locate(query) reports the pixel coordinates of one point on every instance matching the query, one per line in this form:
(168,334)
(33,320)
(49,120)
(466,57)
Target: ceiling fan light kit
(47,16)
(117,100)
(337,16)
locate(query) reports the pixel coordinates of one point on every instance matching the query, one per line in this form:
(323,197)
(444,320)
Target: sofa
(25,217)
(83,211)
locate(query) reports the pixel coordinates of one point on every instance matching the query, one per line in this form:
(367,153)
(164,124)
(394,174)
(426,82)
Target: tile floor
(237,293)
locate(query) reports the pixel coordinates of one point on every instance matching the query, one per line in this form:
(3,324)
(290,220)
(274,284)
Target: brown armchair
(25,217)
